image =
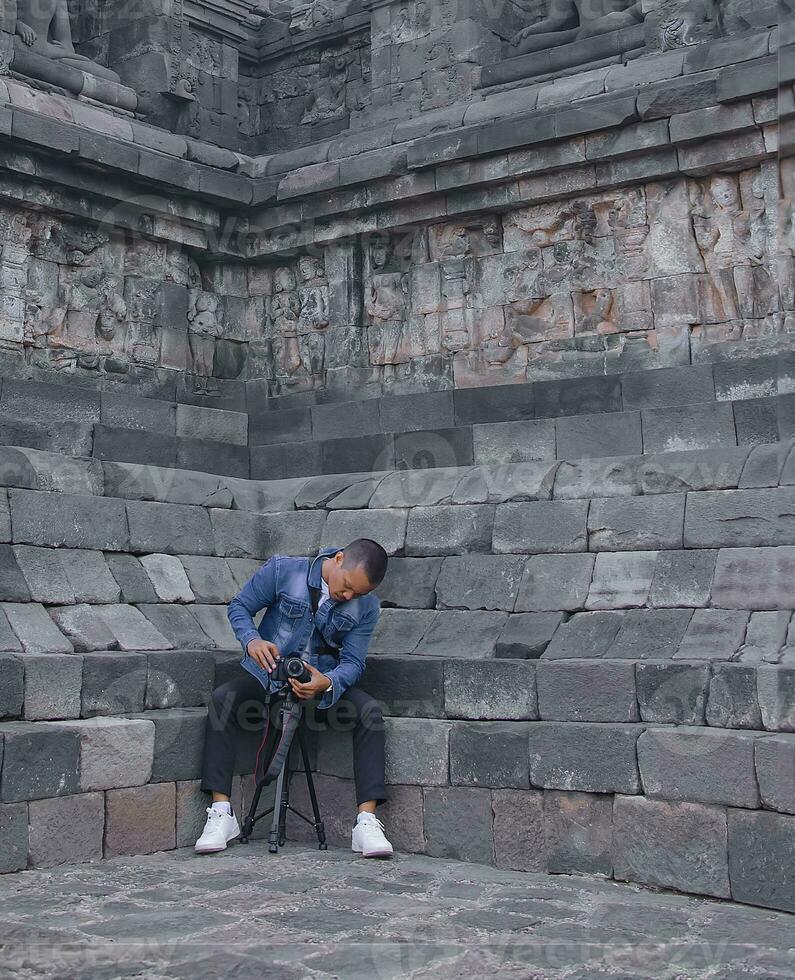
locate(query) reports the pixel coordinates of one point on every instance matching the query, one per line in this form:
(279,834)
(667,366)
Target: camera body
(291,667)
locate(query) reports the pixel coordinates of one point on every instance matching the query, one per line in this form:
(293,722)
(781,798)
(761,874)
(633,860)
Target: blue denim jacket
(281,587)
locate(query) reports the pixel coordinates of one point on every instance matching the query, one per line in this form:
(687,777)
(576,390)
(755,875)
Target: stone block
(113,683)
(240,535)
(417,488)
(459,634)
(330,421)
(167,485)
(761,853)
(756,421)
(621,580)
(671,845)
(171,529)
(449,530)
(753,578)
(732,701)
(765,636)
(387,527)
(432,448)
(510,694)
(650,634)
(13,583)
(541,527)
(66,830)
(39,761)
(584,396)
(210,579)
(499,403)
(125,411)
(178,625)
(57,520)
(243,569)
(740,518)
(212,425)
(45,574)
(489,753)
(42,402)
(427,763)
(479,582)
(458,823)
(134,446)
(398,631)
(410,583)
(9,641)
(776,692)
(134,583)
(406,687)
(14,828)
(179,743)
(713,634)
(590,758)
(552,582)
(286,426)
(36,631)
(518,829)
(413,413)
(765,466)
(192,805)
(89,576)
(132,629)
(12,686)
(578,833)
(611,434)
(225,459)
(666,387)
(215,623)
(589,634)
(700,765)
(633,523)
(114,752)
(690,427)
(513,442)
(527,635)
(168,577)
(775,772)
(52,686)
(179,678)
(672,694)
(509,481)
(586,691)
(84,627)
(682,578)
(281,462)
(140,820)
(357,454)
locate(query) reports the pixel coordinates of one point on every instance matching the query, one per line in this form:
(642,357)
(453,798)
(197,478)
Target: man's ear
(339,558)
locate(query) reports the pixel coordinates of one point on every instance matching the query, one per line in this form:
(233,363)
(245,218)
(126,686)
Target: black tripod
(279,769)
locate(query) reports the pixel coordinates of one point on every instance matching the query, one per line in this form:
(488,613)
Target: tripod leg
(248,823)
(285,804)
(273,834)
(320,830)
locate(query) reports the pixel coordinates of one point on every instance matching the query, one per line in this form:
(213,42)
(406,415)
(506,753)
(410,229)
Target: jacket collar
(316,565)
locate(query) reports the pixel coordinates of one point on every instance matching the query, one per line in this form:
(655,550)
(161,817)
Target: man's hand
(263,653)
(319,684)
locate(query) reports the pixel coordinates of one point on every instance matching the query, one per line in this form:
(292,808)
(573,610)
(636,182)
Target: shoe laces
(374,821)
(214,814)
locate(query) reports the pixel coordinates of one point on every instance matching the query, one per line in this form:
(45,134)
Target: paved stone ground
(305,914)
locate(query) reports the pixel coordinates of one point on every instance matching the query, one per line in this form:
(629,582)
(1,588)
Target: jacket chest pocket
(291,618)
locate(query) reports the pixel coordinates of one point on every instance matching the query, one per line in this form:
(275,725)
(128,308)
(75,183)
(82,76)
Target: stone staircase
(586,637)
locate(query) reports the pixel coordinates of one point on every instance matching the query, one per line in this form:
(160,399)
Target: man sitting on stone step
(333,641)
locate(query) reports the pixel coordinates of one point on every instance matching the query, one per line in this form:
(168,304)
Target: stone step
(690,427)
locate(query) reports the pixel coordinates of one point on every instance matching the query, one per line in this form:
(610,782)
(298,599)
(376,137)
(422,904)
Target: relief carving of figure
(386,303)
(204,328)
(327,99)
(312,294)
(43,26)
(571,20)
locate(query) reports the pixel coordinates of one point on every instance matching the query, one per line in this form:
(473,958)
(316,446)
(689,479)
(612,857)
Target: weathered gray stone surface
(168,577)
(591,758)
(468,635)
(58,520)
(671,845)
(761,850)
(527,635)
(553,582)
(427,763)
(621,580)
(733,701)
(140,820)
(210,578)
(132,629)
(674,693)
(171,529)
(682,578)
(179,742)
(450,530)
(14,827)
(636,523)
(387,527)
(509,481)
(113,683)
(114,752)
(458,822)
(650,634)
(753,578)
(699,765)
(541,527)
(39,761)
(215,623)
(179,678)
(177,624)
(578,831)
(410,583)
(490,753)
(765,636)
(45,574)
(589,634)
(12,686)
(740,518)
(518,828)
(776,692)
(36,631)
(52,686)
(89,576)
(400,630)
(85,627)
(135,584)
(514,442)
(586,691)
(66,830)
(775,772)
(479,582)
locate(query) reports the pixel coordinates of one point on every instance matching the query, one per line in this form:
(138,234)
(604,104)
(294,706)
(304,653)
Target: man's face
(346,582)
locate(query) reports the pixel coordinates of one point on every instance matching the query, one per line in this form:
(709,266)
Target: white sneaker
(220,828)
(368,837)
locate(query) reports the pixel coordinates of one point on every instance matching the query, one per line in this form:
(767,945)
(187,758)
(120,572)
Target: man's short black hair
(369,555)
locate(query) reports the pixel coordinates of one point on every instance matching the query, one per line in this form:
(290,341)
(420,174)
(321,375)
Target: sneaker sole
(373,854)
(216,850)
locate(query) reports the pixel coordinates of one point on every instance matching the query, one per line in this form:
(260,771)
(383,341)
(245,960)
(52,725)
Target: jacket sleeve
(352,657)
(257,594)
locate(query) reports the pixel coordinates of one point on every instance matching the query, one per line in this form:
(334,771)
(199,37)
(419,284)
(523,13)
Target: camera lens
(295,667)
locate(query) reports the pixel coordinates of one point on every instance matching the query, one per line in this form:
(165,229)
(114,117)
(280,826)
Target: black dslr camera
(287,667)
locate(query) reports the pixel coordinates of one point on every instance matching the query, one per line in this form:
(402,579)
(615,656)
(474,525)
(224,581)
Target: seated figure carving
(572,20)
(43,27)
